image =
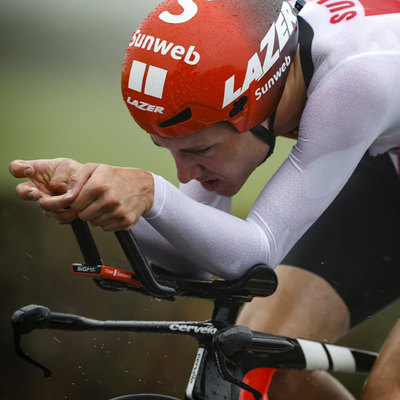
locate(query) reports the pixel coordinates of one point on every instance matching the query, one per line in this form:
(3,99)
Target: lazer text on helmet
(281,29)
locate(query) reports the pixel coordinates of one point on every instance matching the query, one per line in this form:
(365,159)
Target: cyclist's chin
(221,187)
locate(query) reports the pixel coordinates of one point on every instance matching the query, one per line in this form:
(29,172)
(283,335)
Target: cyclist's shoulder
(339,15)
(331,34)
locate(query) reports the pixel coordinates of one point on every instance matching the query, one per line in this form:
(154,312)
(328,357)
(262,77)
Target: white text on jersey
(342,10)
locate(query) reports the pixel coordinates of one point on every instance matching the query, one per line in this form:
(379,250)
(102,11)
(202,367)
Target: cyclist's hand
(113,198)
(46,177)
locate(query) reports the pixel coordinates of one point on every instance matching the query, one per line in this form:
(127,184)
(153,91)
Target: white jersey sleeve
(161,251)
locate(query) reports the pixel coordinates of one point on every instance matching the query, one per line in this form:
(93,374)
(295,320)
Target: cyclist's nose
(187,169)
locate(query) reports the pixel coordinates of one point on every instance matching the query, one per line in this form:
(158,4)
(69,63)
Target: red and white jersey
(358,39)
(350,52)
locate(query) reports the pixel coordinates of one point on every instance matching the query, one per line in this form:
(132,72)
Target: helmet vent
(183,116)
(238,106)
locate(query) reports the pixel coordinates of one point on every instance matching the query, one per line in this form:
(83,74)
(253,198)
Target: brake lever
(24,321)
(232,340)
(221,360)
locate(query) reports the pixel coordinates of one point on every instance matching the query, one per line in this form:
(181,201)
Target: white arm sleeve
(161,252)
(343,116)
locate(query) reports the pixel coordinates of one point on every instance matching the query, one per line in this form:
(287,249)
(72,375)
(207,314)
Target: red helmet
(193,63)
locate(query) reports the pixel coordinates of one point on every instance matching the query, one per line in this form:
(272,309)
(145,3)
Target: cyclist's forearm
(219,243)
(162,253)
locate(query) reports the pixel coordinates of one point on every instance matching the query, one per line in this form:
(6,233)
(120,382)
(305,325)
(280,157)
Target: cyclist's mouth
(210,185)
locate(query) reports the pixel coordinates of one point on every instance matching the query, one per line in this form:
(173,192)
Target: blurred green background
(60,96)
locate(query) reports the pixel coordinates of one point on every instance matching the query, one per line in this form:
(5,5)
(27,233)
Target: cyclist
(215,82)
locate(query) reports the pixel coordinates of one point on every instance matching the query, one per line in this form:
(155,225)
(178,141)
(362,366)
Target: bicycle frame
(232,362)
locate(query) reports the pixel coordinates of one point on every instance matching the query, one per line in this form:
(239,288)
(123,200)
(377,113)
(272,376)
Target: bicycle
(232,362)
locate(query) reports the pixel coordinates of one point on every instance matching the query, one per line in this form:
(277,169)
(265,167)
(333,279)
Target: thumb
(74,187)
(78,180)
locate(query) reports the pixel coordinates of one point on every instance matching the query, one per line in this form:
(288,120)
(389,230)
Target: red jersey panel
(378,7)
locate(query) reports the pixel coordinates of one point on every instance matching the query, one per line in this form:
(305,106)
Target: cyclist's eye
(202,151)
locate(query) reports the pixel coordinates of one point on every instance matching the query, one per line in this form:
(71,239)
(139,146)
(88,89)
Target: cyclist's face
(219,157)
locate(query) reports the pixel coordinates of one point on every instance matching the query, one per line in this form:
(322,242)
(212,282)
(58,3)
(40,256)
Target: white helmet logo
(189,11)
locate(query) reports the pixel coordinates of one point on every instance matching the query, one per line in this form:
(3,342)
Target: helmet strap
(266,134)
(299,5)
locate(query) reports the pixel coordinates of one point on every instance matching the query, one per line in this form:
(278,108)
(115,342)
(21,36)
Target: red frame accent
(260,379)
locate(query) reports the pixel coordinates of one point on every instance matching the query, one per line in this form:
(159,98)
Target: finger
(21,168)
(74,186)
(115,226)
(118,224)
(27,191)
(96,213)
(63,216)
(96,190)
(62,174)
(54,203)
(102,216)
(79,179)
(29,168)
(58,188)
